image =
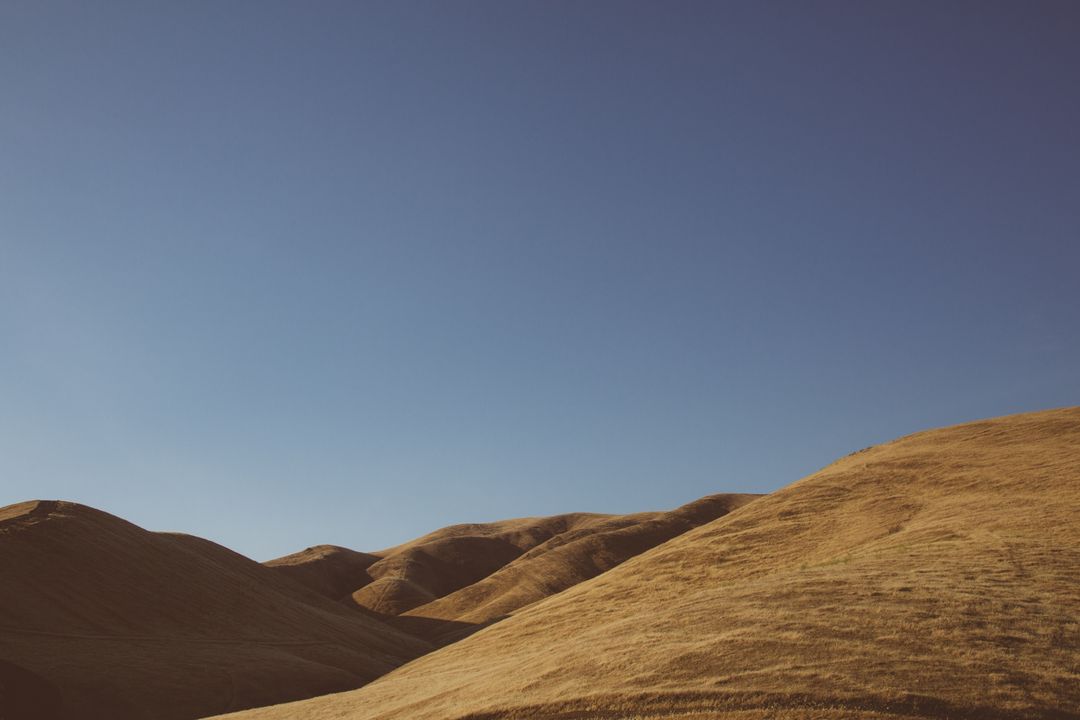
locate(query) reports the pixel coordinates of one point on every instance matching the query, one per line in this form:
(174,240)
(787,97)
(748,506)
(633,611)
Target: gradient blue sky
(281,274)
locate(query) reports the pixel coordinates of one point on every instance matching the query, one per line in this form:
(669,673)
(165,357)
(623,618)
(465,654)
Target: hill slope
(333,572)
(451,582)
(933,576)
(397,579)
(102,619)
(559,563)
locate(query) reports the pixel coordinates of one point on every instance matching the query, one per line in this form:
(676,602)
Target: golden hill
(102,619)
(934,576)
(453,581)
(557,564)
(392,581)
(449,559)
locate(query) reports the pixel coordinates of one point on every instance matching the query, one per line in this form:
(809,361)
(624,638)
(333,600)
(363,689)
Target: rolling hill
(395,580)
(454,557)
(560,562)
(102,619)
(333,572)
(451,582)
(933,576)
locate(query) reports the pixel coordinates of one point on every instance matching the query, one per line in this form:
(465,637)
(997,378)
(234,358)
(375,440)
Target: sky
(283,274)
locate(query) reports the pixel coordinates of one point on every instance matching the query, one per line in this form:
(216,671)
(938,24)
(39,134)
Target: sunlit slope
(449,559)
(102,619)
(453,581)
(392,581)
(559,563)
(935,576)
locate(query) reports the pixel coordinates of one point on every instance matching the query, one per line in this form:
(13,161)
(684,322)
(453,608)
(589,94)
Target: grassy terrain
(453,581)
(934,576)
(102,619)
(559,563)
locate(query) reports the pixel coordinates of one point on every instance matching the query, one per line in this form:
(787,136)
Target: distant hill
(398,579)
(935,576)
(454,557)
(102,619)
(333,572)
(558,563)
(451,582)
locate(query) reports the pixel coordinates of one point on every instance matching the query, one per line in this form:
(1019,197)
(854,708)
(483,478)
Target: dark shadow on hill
(436,631)
(25,695)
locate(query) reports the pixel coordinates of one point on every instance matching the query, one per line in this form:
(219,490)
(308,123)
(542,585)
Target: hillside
(449,559)
(932,576)
(392,581)
(557,564)
(453,581)
(102,619)
(333,572)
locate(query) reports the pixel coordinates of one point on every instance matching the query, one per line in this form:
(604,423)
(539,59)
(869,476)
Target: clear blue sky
(281,274)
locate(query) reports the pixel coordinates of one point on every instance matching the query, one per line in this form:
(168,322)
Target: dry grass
(455,580)
(333,572)
(561,562)
(102,619)
(400,578)
(934,576)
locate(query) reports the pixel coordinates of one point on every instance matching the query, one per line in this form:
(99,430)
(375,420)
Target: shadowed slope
(559,563)
(332,571)
(125,623)
(933,576)
(27,696)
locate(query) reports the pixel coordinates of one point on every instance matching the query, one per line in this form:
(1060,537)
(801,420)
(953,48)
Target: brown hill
(451,582)
(332,571)
(397,579)
(558,563)
(933,576)
(102,619)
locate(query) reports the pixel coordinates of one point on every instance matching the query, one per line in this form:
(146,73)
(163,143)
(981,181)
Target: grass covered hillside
(933,576)
(102,619)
